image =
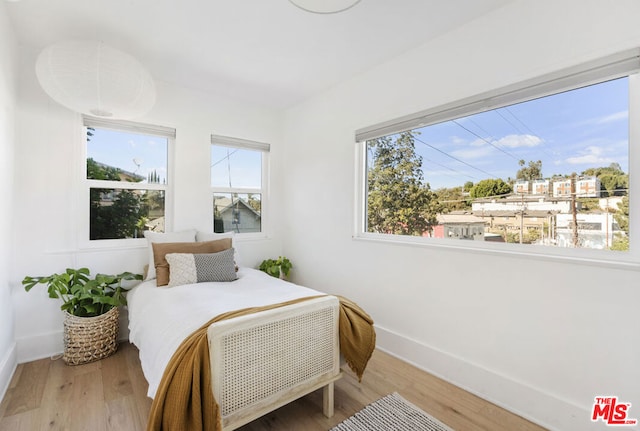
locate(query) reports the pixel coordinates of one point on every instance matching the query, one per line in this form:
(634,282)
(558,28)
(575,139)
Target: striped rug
(391,413)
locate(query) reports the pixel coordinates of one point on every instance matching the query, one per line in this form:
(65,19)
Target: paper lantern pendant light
(94,79)
(325,6)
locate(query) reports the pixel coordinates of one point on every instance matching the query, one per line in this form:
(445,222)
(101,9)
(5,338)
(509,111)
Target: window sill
(617,260)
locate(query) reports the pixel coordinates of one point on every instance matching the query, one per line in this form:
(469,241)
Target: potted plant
(91,310)
(279,268)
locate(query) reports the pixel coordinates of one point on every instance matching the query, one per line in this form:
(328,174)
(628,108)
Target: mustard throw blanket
(184,400)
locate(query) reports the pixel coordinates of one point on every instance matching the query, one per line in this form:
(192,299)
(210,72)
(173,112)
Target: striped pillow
(187,268)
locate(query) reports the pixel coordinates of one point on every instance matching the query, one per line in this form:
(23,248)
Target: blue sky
(235,167)
(143,154)
(132,152)
(569,132)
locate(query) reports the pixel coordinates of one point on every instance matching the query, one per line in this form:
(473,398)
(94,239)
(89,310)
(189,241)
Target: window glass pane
(125,156)
(117,214)
(551,171)
(237,212)
(235,167)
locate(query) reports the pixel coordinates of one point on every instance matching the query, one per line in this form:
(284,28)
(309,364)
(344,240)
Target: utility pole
(606,222)
(574,211)
(521,216)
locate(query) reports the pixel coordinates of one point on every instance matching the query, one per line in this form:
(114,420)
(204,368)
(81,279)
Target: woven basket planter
(88,339)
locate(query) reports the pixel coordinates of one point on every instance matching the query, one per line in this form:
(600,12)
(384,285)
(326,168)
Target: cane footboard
(262,361)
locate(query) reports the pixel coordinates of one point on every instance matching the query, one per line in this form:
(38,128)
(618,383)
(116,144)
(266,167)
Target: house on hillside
(236,215)
(587,187)
(459,226)
(519,203)
(521,187)
(595,230)
(539,223)
(540,187)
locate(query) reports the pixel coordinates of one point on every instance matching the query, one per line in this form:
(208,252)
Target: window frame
(618,65)
(87,184)
(263,191)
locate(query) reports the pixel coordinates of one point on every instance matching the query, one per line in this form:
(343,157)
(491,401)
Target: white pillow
(182,236)
(209,236)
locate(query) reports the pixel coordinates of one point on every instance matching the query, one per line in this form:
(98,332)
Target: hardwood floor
(111,395)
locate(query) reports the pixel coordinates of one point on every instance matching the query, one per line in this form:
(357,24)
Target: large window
(126,177)
(238,184)
(543,163)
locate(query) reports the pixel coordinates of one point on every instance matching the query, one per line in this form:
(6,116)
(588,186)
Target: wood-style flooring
(111,395)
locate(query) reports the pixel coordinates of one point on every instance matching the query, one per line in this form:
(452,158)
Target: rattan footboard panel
(262,361)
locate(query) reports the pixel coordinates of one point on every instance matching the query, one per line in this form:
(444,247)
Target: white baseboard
(524,400)
(52,343)
(39,346)
(8,366)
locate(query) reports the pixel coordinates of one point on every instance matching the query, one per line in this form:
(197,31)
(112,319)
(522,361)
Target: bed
(258,361)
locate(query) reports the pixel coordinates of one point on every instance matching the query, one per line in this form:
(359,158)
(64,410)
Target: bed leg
(327,400)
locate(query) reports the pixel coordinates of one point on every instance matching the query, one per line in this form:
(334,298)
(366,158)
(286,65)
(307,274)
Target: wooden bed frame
(262,361)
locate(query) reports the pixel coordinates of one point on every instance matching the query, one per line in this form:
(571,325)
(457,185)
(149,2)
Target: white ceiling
(267,52)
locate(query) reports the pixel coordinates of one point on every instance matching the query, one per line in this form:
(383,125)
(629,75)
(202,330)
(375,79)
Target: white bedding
(161,317)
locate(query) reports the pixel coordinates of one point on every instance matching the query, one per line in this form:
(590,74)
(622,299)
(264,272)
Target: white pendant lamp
(325,6)
(94,79)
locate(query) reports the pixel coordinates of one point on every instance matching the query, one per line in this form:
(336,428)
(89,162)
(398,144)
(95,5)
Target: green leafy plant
(276,267)
(82,295)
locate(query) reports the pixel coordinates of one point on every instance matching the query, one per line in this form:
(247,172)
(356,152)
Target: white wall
(8,86)
(541,342)
(47,209)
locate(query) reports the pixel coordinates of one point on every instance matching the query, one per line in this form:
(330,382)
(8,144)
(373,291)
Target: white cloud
(618,116)
(591,155)
(456,140)
(518,141)
(475,152)
(480,148)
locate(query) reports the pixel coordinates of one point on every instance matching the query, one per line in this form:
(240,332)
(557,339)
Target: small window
(545,163)
(238,179)
(126,177)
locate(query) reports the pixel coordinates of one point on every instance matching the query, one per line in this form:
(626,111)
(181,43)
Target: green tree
(614,184)
(98,171)
(452,199)
(254,202)
(114,213)
(398,201)
(117,216)
(614,181)
(613,168)
(531,172)
(490,187)
(620,243)
(622,215)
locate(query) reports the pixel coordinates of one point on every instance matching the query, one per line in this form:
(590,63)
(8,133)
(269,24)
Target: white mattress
(160,317)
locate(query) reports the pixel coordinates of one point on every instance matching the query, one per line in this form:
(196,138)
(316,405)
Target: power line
(451,169)
(485,140)
(506,108)
(225,157)
(510,122)
(370,152)
(454,158)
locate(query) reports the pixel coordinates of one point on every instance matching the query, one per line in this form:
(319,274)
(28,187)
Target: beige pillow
(160,250)
(153,237)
